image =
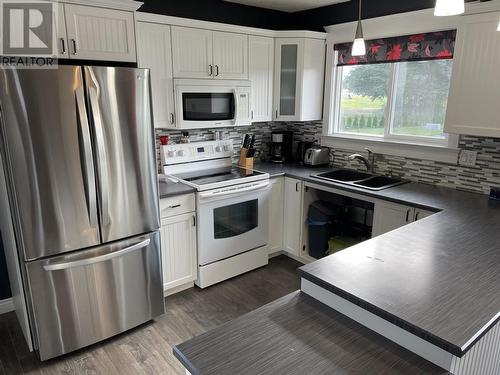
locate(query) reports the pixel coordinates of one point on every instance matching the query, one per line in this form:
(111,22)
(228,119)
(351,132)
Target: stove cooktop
(219,177)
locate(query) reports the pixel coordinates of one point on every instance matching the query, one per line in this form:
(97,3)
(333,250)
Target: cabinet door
(287,78)
(59,28)
(260,71)
(192,52)
(292,216)
(154,51)
(276,215)
(421,214)
(100,34)
(230,55)
(390,216)
(178,249)
(474,95)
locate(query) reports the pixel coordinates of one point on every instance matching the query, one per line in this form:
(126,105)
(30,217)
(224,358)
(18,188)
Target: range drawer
(180,204)
(85,297)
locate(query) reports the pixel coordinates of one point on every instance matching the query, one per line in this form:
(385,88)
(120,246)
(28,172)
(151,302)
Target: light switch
(467,158)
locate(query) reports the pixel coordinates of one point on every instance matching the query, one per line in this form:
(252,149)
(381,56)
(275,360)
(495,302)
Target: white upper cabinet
(230,56)
(199,53)
(473,103)
(260,72)
(298,79)
(192,52)
(154,51)
(99,33)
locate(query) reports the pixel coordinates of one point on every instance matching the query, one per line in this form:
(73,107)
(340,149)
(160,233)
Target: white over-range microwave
(212,104)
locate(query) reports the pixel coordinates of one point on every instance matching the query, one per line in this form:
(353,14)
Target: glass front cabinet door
(299,78)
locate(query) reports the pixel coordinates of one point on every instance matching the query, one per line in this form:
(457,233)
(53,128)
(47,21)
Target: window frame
(416,22)
(448,141)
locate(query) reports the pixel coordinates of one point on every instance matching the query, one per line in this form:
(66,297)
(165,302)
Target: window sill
(405,149)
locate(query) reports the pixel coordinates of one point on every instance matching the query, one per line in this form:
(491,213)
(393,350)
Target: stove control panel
(196,151)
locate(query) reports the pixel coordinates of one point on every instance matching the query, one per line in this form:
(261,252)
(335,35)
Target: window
(403,101)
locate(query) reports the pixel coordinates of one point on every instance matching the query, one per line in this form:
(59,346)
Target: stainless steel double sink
(360,179)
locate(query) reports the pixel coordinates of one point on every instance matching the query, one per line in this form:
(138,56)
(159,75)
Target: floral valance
(429,46)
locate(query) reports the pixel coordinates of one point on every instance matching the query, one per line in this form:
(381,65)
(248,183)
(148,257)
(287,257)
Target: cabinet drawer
(96,293)
(177,205)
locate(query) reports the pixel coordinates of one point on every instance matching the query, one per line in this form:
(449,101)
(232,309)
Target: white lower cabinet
(292,216)
(421,214)
(178,249)
(390,216)
(276,201)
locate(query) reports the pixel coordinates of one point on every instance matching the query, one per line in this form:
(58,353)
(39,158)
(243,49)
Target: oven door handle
(256,187)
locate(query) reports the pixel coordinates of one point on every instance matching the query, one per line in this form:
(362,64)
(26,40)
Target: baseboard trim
(6,305)
(178,288)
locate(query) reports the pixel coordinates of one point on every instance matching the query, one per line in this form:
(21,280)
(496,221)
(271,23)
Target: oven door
(232,220)
(206,106)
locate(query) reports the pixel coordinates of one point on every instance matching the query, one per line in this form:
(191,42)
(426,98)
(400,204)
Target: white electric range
(231,208)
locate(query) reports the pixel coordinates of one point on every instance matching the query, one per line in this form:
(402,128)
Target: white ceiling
(288,5)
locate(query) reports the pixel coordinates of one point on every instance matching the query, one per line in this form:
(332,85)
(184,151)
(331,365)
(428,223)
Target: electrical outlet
(467,158)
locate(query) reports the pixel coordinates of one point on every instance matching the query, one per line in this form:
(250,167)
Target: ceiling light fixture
(359,46)
(449,8)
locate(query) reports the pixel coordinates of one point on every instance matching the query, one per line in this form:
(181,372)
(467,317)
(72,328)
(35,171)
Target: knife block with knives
(247,152)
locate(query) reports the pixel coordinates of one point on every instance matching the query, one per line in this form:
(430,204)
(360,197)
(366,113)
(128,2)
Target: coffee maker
(281,146)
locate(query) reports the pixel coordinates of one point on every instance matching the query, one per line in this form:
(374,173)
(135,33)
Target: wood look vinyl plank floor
(148,349)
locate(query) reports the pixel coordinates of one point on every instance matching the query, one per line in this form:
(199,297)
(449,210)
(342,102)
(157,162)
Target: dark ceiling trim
(313,19)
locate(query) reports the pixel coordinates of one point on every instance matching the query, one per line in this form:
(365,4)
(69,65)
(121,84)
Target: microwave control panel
(196,151)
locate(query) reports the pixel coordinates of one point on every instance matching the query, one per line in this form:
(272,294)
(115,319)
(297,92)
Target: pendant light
(449,7)
(359,46)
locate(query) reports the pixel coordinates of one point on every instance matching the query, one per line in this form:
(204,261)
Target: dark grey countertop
(439,277)
(297,335)
(171,189)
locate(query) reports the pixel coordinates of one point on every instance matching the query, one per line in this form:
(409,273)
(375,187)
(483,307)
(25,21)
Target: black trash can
(324,220)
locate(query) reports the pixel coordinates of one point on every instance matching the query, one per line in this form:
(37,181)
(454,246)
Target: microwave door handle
(101,155)
(236,106)
(88,161)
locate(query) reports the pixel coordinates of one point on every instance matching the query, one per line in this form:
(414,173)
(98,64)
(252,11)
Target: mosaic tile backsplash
(477,179)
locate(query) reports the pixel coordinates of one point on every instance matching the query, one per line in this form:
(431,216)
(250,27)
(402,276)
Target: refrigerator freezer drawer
(85,297)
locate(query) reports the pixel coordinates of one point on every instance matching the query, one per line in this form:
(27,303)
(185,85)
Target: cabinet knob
(210,70)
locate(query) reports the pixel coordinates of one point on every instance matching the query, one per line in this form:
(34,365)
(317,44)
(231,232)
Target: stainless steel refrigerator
(79,203)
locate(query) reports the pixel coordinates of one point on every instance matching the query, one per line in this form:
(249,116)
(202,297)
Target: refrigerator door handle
(101,155)
(98,259)
(89,175)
